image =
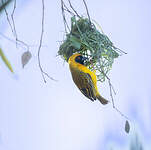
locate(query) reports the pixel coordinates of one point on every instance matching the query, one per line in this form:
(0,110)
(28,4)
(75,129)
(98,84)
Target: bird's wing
(85,84)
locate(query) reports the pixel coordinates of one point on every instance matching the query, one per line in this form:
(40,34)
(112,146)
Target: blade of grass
(5,60)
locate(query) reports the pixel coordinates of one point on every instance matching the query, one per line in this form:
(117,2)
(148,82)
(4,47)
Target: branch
(40,44)
(87,10)
(63,15)
(111,95)
(14,27)
(8,20)
(73,9)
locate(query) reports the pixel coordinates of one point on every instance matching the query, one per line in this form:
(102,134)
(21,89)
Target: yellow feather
(85,79)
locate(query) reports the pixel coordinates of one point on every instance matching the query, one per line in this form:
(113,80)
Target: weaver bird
(84,79)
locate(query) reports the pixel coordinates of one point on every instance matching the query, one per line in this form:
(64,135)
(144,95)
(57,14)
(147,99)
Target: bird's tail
(102,100)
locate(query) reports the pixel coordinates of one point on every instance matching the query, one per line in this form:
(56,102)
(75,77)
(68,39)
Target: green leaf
(75,42)
(73,19)
(5,60)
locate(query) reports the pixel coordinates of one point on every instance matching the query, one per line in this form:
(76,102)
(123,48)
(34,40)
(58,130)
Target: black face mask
(80,59)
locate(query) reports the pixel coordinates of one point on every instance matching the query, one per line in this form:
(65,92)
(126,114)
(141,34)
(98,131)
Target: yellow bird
(84,79)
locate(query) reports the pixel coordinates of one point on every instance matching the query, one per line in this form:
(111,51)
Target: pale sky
(55,115)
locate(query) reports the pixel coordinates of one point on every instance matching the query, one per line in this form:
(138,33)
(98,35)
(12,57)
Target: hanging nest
(86,39)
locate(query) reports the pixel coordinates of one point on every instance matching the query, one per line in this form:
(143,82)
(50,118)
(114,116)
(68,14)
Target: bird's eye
(78,57)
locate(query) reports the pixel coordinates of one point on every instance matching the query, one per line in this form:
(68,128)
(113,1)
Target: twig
(113,102)
(119,50)
(6,37)
(63,15)
(40,44)
(111,95)
(14,27)
(66,9)
(21,42)
(109,80)
(87,10)
(8,20)
(73,9)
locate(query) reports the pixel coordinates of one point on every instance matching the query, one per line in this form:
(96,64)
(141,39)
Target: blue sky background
(35,116)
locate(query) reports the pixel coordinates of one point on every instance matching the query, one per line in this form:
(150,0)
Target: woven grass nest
(86,39)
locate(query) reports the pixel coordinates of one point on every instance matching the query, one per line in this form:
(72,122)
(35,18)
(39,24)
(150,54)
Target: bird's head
(78,58)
